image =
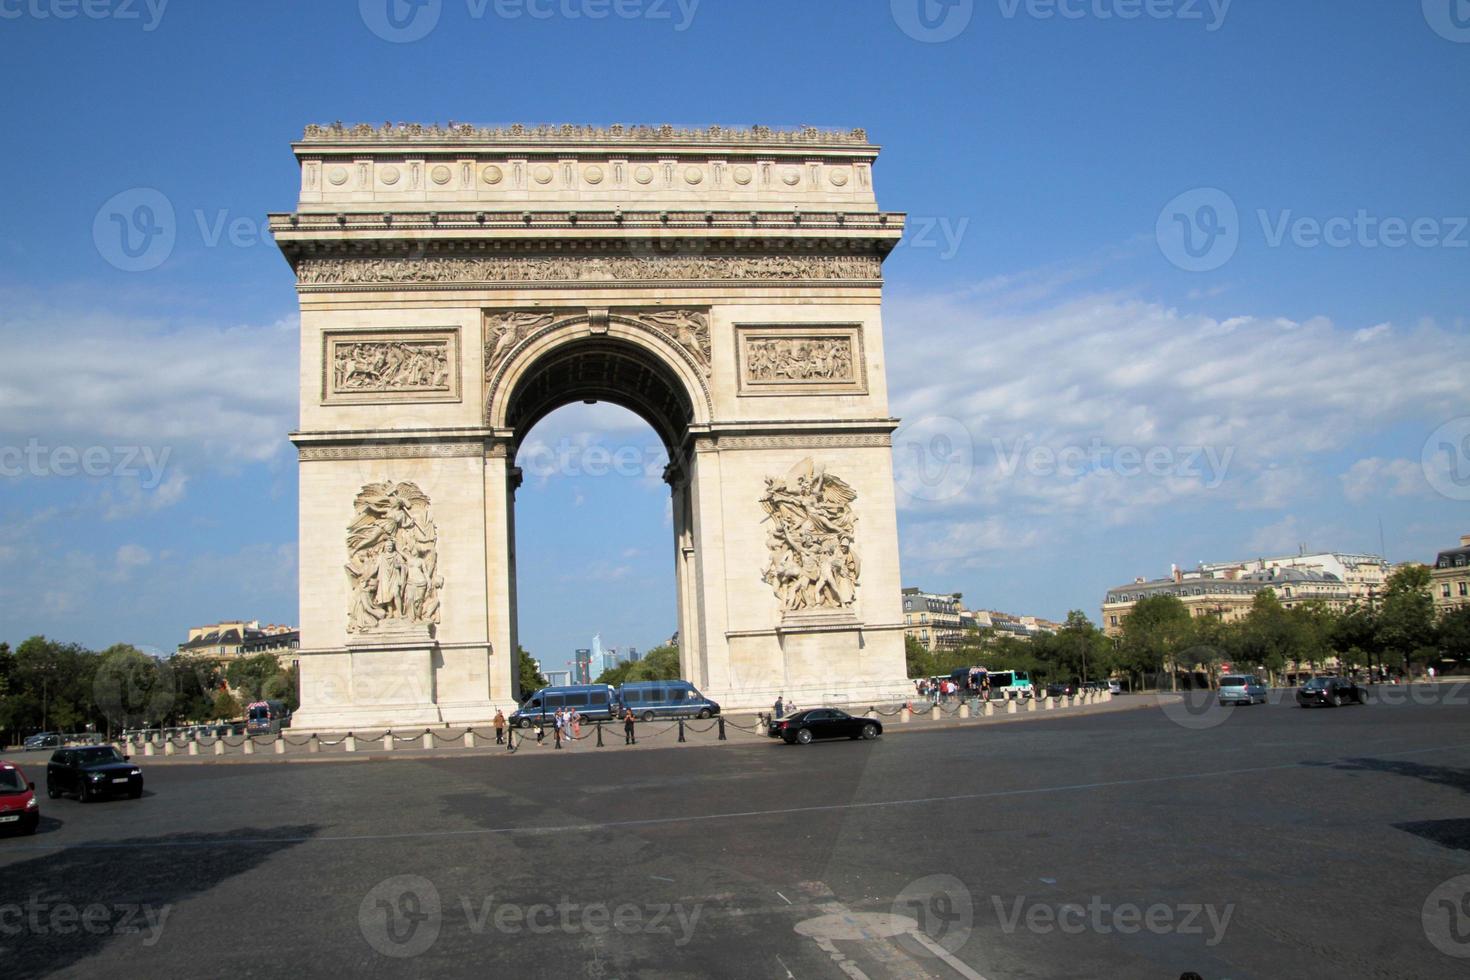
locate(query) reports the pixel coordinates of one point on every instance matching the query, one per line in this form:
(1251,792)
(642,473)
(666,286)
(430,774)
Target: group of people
(945,689)
(566,727)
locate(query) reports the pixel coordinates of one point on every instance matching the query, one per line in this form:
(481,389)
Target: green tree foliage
(226,708)
(658,664)
(1406,627)
(1157,630)
(528,678)
(1454,635)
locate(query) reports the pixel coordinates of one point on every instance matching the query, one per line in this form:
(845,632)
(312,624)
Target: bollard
(989,709)
(722,728)
(249,745)
(1030,704)
(280,745)
(219,746)
(168,747)
(315,745)
(681,729)
(1048,704)
(350,743)
(428,739)
(147,748)
(934,713)
(387,741)
(193,748)
(510,739)
(469,738)
(964,709)
(1010,706)
(905,714)
(599,734)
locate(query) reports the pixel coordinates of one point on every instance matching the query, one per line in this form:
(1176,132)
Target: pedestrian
(628,738)
(576,723)
(557,723)
(499,727)
(780,707)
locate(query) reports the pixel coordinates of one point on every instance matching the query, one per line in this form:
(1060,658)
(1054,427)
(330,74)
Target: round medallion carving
(441,174)
(644,175)
(839,178)
(791,176)
(592,175)
(337,175)
(743,175)
(492,174)
(693,175)
(389,175)
(543,175)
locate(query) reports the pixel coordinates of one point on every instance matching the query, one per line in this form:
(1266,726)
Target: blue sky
(1046,318)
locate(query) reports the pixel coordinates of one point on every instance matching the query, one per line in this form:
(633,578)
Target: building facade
(233,639)
(1364,575)
(1449,579)
(1227,593)
(933,619)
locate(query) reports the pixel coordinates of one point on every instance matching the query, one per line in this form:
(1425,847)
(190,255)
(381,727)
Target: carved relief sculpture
(317,271)
(407,366)
(819,359)
(814,564)
(504,330)
(393,559)
(686,328)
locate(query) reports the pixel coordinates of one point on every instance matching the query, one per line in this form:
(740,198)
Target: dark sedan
(806,727)
(1330,691)
(92,772)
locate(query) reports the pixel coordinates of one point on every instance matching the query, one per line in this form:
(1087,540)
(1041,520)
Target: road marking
(955,963)
(785,899)
(729,815)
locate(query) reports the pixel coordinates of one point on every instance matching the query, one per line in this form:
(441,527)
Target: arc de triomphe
(458,284)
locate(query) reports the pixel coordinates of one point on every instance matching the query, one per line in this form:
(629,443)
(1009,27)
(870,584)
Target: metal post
(681,729)
(599,734)
(722,729)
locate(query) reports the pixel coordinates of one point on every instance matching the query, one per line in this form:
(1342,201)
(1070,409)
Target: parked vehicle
(1330,692)
(19,809)
(808,726)
(1061,689)
(1010,684)
(267,717)
(664,699)
(593,702)
(42,740)
(92,772)
(1113,687)
(1242,689)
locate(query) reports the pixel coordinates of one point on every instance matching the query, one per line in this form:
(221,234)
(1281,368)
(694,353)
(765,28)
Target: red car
(19,809)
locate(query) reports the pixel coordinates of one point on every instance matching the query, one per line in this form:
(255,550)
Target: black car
(45,740)
(814,723)
(1331,691)
(1061,689)
(92,772)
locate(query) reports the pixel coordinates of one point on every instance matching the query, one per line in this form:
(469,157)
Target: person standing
(575,717)
(499,727)
(780,707)
(628,738)
(556,723)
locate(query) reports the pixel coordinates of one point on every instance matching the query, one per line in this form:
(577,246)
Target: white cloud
(1375,477)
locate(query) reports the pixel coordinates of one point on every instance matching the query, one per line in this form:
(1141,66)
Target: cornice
(461,135)
(333,222)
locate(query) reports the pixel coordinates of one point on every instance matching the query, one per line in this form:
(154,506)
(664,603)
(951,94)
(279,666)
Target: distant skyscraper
(583,671)
(633,655)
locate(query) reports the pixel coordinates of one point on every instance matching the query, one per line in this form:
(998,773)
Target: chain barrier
(329,742)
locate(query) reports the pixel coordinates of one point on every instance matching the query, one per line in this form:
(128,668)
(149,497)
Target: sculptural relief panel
(811,537)
(800,360)
(392,560)
(366,368)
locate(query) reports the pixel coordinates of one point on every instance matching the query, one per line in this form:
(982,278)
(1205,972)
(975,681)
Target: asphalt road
(1241,843)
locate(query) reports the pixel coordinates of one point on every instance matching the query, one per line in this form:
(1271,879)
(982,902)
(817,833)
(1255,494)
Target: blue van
(665,699)
(592,701)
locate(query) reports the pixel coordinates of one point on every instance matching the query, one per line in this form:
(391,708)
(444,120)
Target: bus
(665,699)
(1010,684)
(267,717)
(593,702)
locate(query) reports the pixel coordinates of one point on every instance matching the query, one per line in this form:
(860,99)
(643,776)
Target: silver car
(1242,689)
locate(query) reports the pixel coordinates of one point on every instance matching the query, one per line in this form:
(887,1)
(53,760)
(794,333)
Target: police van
(665,699)
(594,702)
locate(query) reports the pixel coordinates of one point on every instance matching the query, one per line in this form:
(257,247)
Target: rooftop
(567,133)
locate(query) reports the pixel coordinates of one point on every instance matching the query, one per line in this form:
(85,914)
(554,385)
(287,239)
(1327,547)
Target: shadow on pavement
(1453,834)
(59,908)
(1439,775)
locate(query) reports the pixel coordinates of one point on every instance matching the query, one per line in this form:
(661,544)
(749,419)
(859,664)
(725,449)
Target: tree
(1079,650)
(658,664)
(257,678)
(529,679)
(1454,635)
(1406,628)
(1313,624)
(226,708)
(917,656)
(1354,636)
(132,689)
(1156,630)
(1268,634)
